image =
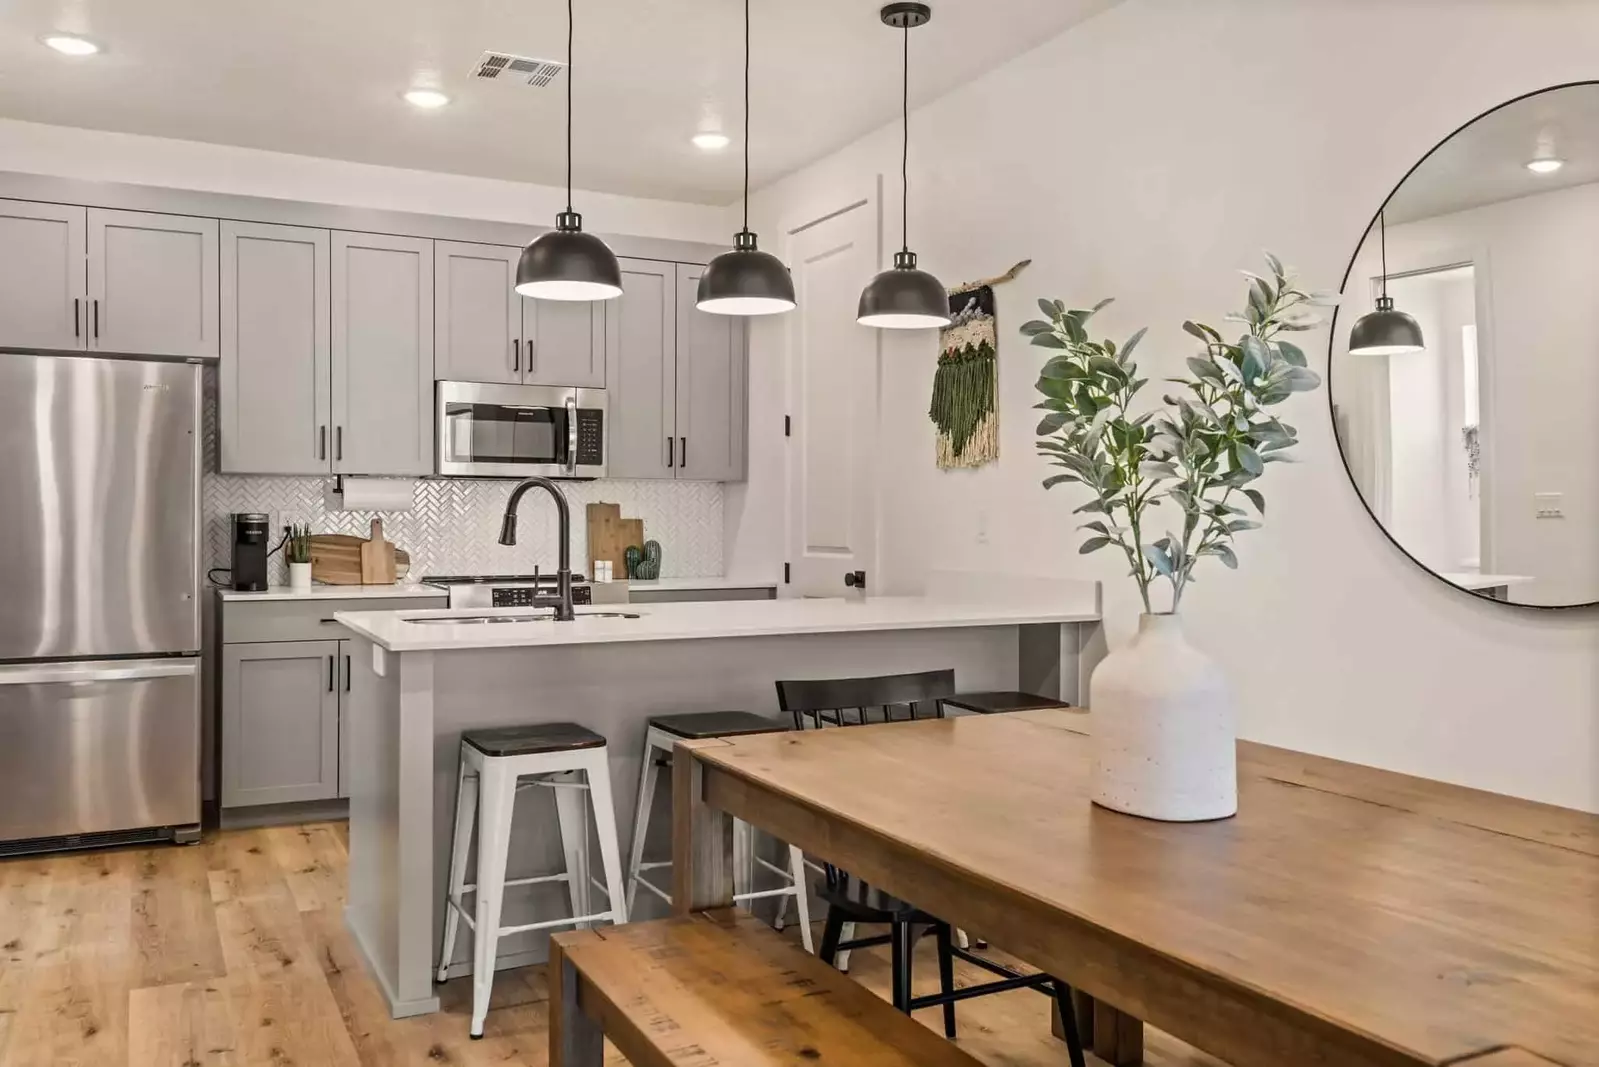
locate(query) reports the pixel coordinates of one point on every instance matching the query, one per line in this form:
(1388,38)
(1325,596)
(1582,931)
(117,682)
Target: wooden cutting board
(377,558)
(610,535)
(336,559)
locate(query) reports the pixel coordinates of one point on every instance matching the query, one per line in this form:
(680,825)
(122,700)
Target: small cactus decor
(299,544)
(644,563)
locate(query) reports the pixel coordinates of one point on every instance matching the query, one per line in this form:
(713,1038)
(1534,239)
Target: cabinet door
(641,342)
(280,722)
(43,295)
(477,319)
(565,342)
(275,411)
(382,354)
(711,390)
(153,284)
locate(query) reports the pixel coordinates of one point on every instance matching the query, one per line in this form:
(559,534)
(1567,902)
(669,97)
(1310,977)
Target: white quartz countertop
(692,620)
(691,585)
(337,592)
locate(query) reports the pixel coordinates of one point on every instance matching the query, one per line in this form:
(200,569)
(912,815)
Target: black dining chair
(851,702)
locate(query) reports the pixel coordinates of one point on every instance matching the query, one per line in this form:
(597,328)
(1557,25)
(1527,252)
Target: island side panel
(613,689)
(389,902)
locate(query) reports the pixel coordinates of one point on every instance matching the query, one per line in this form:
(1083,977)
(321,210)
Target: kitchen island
(418,678)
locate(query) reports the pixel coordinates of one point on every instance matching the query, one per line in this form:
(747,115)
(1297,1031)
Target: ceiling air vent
(517,70)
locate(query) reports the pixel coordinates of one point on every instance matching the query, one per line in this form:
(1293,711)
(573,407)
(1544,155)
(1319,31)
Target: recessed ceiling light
(1546,165)
(426,98)
(69,45)
(711,141)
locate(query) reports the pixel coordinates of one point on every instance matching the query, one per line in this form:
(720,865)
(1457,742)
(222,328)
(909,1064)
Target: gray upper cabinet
(280,722)
(477,323)
(712,393)
(641,343)
(565,342)
(276,373)
(382,354)
(153,284)
(43,278)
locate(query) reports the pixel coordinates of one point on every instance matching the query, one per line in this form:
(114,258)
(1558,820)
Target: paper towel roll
(375,494)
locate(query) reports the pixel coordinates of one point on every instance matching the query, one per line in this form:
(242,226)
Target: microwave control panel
(590,437)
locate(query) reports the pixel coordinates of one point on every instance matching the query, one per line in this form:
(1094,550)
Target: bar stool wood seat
(495,765)
(663,732)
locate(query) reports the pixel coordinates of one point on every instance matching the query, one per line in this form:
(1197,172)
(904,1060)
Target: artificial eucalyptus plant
(1195,457)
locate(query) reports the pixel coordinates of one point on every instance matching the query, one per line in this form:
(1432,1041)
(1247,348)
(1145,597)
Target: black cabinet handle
(346,674)
(338,442)
(77,330)
(331,669)
(322,442)
(516,354)
(669,452)
(97,317)
(682,452)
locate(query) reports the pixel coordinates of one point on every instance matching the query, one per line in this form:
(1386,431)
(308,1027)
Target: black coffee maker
(251,533)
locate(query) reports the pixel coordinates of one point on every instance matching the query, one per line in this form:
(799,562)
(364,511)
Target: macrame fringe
(983,447)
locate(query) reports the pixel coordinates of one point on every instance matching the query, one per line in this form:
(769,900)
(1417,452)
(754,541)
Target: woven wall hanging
(966,385)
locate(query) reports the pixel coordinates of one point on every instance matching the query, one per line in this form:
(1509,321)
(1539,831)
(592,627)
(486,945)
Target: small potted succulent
(298,550)
(1170,485)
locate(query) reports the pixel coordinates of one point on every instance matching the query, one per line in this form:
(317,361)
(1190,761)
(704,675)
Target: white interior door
(833,387)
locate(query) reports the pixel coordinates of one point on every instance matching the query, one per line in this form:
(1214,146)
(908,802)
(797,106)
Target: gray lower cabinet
(43,294)
(485,332)
(276,373)
(280,722)
(382,320)
(152,284)
(676,379)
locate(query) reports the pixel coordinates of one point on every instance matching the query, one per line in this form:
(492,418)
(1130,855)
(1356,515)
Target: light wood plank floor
(233,953)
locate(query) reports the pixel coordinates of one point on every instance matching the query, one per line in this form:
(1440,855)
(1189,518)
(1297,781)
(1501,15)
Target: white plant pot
(1165,729)
(299,576)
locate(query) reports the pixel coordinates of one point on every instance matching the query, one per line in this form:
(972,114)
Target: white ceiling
(1486,162)
(323,78)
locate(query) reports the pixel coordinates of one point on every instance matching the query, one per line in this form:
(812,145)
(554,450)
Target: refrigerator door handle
(103,671)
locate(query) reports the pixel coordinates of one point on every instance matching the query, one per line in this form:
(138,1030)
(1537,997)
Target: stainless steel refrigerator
(99,601)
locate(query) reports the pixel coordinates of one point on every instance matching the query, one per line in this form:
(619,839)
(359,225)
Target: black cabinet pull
(77,330)
(682,452)
(331,669)
(346,674)
(338,442)
(322,442)
(516,355)
(669,452)
(97,317)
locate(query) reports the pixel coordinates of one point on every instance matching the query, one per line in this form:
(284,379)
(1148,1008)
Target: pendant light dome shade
(904,298)
(1385,332)
(746,281)
(568,264)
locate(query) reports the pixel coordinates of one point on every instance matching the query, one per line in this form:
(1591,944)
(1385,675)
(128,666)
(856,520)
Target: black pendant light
(1385,332)
(746,281)
(566,263)
(905,298)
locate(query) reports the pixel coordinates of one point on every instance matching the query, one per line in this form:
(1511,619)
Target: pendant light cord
(905,149)
(1382,240)
(568,107)
(746,115)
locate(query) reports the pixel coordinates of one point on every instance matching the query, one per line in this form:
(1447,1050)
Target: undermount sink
(491,620)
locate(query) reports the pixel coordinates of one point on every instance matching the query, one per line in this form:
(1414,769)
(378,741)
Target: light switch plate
(1549,505)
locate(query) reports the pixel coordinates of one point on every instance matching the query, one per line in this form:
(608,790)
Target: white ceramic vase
(1165,729)
(300,576)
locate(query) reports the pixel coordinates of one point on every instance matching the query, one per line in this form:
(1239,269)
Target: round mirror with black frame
(1463,369)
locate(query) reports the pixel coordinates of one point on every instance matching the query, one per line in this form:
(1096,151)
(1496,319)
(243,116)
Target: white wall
(1146,154)
(96,155)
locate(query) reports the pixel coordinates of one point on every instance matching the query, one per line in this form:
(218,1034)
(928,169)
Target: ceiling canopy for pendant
(1385,332)
(904,297)
(746,281)
(566,263)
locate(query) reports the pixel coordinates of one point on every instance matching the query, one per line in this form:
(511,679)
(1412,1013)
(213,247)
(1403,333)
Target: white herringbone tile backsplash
(455,522)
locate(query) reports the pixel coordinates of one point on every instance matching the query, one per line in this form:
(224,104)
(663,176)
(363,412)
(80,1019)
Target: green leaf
(1158,559)
(1035,326)
(1048,340)
(1095,506)
(1257,498)
(1238,525)
(1157,469)
(1102,305)
(1093,544)
(1048,308)
(1201,331)
(1204,369)
(1132,343)
(1225,554)
(1256,358)
(1106,366)
(1276,266)
(1056,388)
(1097,526)
(1050,423)
(1249,459)
(1057,479)
(1301,380)
(1097,429)
(1292,353)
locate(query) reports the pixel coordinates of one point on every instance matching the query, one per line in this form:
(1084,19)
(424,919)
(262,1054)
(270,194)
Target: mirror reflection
(1464,370)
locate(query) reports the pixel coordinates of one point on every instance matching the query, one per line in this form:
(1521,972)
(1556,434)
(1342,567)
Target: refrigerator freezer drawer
(98,747)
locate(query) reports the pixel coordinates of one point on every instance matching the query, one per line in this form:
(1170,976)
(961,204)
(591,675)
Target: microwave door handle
(571,435)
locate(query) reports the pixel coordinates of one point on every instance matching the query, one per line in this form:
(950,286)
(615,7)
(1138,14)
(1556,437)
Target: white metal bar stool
(665,731)
(495,765)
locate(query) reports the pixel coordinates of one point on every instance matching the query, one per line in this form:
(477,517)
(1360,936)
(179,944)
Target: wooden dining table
(1346,917)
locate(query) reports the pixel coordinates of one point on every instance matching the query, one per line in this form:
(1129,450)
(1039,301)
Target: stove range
(507,590)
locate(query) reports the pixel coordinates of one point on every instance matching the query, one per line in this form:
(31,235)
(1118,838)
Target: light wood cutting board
(610,535)
(336,559)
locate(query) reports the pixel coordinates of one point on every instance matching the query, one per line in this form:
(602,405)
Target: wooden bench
(721,988)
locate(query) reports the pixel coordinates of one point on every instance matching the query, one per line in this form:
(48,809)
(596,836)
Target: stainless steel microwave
(513,431)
